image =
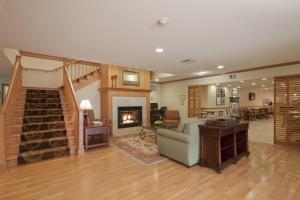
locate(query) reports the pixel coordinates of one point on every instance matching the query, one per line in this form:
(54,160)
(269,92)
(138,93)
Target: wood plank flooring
(271,172)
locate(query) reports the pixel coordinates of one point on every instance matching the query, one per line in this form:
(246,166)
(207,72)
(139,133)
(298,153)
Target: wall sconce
(181,99)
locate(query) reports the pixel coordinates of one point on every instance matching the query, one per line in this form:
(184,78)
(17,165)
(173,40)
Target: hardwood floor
(271,172)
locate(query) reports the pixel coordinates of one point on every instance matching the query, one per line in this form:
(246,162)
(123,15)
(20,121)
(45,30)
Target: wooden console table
(222,146)
(96,136)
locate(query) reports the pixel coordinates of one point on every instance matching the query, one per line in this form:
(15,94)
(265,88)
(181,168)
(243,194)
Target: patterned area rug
(145,151)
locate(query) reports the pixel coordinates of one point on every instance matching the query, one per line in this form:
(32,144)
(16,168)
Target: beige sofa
(181,144)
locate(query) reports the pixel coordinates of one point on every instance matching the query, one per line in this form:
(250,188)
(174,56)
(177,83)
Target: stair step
(43,126)
(28,106)
(45,154)
(41,91)
(43,100)
(42,119)
(40,144)
(42,95)
(32,112)
(43,134)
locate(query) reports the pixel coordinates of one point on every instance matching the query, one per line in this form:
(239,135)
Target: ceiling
(234,33)
(266,83)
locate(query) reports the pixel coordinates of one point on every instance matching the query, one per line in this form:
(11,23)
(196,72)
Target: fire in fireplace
(130,116)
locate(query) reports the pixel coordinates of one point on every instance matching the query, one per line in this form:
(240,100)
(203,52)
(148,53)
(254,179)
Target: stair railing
(79,69)
(72,103)
(8,109)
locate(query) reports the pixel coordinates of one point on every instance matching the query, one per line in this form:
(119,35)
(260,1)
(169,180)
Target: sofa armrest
(173,135)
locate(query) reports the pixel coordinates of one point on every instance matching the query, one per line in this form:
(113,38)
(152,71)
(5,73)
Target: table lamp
(85,105)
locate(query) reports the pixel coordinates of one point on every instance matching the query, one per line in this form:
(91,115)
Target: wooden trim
(12,83)
(72,88)
(123,89)
(57,58)
(42,56)
(236,71)
(42,70)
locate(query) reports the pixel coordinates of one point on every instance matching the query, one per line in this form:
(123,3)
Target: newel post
(81,150)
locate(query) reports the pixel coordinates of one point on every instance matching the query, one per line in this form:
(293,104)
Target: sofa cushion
(173,135)
(182,123)
(192,127)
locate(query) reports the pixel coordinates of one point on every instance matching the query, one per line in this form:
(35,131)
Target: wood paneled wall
(287,110)
(194,101)
(107,92)
(108,71)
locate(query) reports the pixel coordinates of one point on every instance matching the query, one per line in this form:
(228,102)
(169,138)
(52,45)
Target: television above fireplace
(130,116)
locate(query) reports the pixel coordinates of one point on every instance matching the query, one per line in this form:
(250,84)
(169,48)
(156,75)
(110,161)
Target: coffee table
(148,131)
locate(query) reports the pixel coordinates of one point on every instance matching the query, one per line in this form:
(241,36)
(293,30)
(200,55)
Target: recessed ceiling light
(220,67)
(272,82)
(163,21)
(282,84)
(253,83)
(242,81)
(159,50)
(264,79)
(234,89)
(229,85)
(263,85)
(156,79)
(239,87)
(201,73)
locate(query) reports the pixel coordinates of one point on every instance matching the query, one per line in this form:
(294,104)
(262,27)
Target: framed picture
(251,96)
(234,93)
(4,90)
(220,97)
(131,78)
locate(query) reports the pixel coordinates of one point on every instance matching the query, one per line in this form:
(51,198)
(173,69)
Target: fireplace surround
(130,116)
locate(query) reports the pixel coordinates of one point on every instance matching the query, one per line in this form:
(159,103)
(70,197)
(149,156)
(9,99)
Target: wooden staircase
(39,124)
(44,133)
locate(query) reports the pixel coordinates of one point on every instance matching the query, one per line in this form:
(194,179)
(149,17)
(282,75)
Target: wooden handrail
(68,83)
(12,84)
(7,113)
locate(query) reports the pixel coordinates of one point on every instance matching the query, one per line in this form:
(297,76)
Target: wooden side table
(222,146)
(96,136)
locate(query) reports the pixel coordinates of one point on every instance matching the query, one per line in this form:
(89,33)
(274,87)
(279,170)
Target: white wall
(260,95)
(4,79)
(41,79)
(169,92)
(91,93)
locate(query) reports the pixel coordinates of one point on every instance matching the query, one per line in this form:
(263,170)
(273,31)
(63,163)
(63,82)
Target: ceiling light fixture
(159,50)
(239,87)
(201,73)
(156,79)
(229,85)
(163,21)
(220,67)
(253,83)
(242,81)
(264,79)
(263,85)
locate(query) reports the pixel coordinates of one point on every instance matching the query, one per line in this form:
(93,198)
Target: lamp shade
(85,105)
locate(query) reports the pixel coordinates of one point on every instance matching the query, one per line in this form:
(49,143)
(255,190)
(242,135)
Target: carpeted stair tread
(42,119)
(43,144)
(43,140)
(35,156)
(44,133)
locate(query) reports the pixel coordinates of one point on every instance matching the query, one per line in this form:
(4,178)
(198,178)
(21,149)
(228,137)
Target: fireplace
(130,116)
